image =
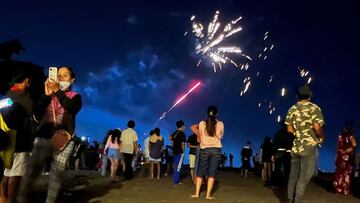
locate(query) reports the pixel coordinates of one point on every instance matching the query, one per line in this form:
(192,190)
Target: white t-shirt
(128,137)
(146,147)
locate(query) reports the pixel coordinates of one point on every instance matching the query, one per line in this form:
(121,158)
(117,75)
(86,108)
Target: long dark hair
(157,131)
(211,120)
(116,136)
(110,132)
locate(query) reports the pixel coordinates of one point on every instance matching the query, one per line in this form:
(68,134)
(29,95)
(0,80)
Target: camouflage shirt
(302,116)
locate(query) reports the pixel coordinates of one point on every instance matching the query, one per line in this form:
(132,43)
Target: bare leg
(112,163)
(269,171)
(4,189)
(151,169)
(116,166)
(263,178)
(197,187)
(158,170)
(193,175)
(13,187)
(210,184)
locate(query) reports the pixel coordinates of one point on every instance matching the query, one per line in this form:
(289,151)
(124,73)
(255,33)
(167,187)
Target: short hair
(151,132)
(131,124)
(180,124)
(304,92)
(20,77)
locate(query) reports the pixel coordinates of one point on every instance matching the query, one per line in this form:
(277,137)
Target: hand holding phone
(48,92)
(53,74)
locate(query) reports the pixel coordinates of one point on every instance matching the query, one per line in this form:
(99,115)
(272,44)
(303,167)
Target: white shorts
(155,160)
(21,160)
(192,160)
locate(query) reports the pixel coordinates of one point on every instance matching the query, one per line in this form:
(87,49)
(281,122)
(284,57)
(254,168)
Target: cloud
(141,87)
(177,73)
(132,19)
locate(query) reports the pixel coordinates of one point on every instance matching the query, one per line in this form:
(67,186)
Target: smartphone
(53,73)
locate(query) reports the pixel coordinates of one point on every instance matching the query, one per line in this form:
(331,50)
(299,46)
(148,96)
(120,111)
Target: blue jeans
(209,161)
(301,172)
(178,162)
(197,157)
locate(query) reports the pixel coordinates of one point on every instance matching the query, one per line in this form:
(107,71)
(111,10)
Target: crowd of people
(45,142)
(289,159)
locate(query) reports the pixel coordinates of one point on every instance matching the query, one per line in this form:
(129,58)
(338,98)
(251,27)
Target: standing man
(192,143)
(231,158)
(305,121)
(246,154)
(169,159)
(282,143)
(19,118)
(178,139)
(128,148)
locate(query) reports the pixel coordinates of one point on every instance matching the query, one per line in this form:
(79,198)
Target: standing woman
(209,134)
(266,151)
(156,148)
(55,111)
(345,158)
(113,151)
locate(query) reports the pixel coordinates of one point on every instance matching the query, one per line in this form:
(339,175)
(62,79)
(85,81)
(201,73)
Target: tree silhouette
(8,48)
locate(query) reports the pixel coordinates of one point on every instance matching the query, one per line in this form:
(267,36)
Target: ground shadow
(324,180)
(89,192)
(78,189)
(280,193)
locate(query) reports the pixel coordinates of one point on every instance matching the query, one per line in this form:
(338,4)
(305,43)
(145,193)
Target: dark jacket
(19,117)
(71,106)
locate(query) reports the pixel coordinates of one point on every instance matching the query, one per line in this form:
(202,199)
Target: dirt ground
(86,186)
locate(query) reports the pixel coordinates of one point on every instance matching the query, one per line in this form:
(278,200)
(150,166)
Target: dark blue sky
(132,61)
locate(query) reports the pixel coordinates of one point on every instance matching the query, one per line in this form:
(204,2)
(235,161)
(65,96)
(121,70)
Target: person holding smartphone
(55,111)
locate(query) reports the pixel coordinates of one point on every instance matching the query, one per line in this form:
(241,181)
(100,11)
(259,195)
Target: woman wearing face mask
(56,110)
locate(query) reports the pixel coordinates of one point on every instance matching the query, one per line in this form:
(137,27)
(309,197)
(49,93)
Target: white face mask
(64,85)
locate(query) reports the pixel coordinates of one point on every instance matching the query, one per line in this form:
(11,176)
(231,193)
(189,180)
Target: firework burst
(211,39)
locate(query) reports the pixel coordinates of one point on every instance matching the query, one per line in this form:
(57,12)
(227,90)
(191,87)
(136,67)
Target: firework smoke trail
(178,101)
(210,43)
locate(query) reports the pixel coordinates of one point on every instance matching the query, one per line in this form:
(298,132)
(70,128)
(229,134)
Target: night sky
(133,61)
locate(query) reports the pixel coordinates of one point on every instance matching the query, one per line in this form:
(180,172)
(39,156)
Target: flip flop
(210,198)
(194,196)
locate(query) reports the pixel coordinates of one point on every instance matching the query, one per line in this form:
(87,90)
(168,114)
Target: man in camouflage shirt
(305,121)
